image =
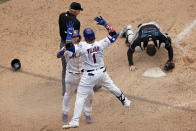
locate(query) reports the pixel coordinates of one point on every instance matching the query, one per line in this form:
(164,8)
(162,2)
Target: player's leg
(109,84)
(129,34)
(63,70)
(88,106)
(71,85)
(85,86)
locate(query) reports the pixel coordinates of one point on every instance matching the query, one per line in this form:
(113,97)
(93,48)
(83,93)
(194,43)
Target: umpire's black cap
(75,6)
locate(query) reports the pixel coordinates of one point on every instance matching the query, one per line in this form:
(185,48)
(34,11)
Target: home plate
(154,72)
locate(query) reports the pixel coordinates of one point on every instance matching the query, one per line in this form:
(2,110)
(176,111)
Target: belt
(91,74)
(74,73)
(91,70)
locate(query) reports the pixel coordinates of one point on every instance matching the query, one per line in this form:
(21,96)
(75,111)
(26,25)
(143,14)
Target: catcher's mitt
(169,65)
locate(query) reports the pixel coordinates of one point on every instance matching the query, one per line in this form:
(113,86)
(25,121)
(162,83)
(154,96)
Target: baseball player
(72,78)
(64,18)
(94,72)
(148,37)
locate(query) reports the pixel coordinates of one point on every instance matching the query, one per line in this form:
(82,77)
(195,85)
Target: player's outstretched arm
(170,63)
(69,45)
(130,58)
(101,21)
(112,33)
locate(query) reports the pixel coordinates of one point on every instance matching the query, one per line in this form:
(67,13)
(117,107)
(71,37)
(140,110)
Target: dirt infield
(30,100)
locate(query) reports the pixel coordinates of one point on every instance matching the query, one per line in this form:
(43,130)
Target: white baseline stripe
(182,35)
(181,105)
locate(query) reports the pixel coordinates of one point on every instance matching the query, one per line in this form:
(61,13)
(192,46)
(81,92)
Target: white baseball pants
(72,81)
(87,82)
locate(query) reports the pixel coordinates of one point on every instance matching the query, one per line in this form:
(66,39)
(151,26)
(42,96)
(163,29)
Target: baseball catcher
(148,37)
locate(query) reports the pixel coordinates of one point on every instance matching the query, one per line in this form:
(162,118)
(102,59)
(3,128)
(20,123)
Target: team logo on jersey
(94,49)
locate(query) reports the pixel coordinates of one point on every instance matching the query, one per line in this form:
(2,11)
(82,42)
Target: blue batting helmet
(89,34)
(76,34)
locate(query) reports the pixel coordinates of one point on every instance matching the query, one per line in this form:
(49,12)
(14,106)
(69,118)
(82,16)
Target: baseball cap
(75,6)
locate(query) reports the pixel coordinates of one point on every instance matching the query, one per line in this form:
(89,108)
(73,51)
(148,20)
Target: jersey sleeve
(104,43)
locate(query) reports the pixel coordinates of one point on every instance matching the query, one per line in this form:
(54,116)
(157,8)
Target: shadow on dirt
(33,74)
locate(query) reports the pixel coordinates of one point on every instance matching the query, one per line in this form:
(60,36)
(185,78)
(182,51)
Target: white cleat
(70,125)
(123,32)
(127,103)
(129,27)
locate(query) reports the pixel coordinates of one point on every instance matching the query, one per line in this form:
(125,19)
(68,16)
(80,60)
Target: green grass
(1,1)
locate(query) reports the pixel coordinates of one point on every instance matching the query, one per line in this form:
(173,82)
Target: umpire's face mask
(151,48)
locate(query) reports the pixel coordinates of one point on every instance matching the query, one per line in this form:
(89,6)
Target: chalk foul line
(182,35)
(181,105)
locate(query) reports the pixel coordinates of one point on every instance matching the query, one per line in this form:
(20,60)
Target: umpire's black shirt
(64,18)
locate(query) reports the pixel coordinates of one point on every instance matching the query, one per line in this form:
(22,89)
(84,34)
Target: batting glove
(69,31)
(100,21)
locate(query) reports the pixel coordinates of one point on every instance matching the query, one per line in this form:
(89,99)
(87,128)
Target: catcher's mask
(16,65)
(151,49)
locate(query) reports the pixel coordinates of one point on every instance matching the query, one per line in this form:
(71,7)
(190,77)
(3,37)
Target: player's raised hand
(100,21)
(69,31)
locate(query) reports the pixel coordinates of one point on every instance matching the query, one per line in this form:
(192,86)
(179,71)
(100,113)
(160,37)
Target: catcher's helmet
(16,65)
(89,34)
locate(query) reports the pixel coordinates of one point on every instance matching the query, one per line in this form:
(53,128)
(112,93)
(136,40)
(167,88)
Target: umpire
(64,18)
